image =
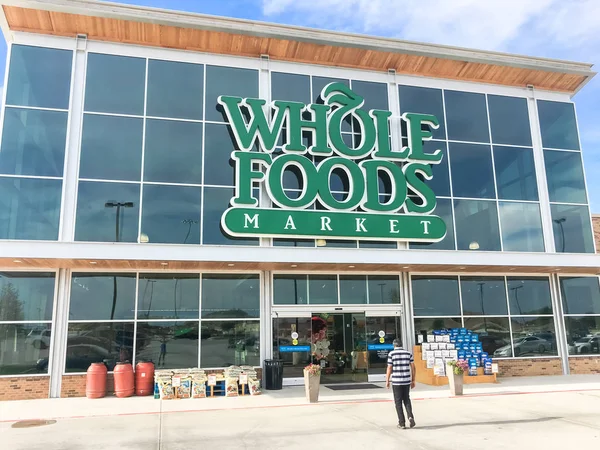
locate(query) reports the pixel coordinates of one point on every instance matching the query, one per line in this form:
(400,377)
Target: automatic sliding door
(291,343)
(381,332)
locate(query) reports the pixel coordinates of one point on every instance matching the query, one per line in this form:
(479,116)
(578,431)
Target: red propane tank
(144,378)
(124,383)
(95,385)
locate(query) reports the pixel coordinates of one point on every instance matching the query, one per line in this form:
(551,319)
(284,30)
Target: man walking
(401,370)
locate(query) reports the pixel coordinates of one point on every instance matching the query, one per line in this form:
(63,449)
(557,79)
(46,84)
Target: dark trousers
(402,395)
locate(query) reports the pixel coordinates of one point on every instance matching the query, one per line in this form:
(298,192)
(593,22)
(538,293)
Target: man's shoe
(402,426)
(412,422)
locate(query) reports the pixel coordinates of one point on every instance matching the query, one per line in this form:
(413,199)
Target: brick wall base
(529,367)
(24,388)
(585,365)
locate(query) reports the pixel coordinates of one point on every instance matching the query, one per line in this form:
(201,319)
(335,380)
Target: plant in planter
(455,371)
(312,381)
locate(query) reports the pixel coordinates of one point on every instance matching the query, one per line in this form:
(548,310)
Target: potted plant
(312,381)
(455,371)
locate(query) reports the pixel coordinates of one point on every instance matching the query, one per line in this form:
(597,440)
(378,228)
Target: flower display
(313,370)
(459,367)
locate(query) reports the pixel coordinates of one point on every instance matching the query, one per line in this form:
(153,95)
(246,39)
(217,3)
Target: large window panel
(103,206)
(472,172)
(375,95)
(171,214)
(476,225)
(322,289)
(228,81)
(39,77)
(102,296)
(583,335)
(509,119)
(558,125)
(383,289)
(226,343)
(290,289)
(534,336)
(29,208)
(515,173)
(111,148)
(529,296)
(26,296)
(521,225)
(440,183)
(435,296)
(564,173)
(318,83)
(353,289)
(483,296)
(494,334)
(33,142)
(425,326)
(580,295)
(170,345)
(218,145)
(466,116)
(572,229)
(115,84)
(175,89)
(173,152)
(424,101)
(230,296)
(442,209)
(290,87)
(168,296)
(24,348)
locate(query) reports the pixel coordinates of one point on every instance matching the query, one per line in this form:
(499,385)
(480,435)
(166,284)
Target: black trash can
(273,374)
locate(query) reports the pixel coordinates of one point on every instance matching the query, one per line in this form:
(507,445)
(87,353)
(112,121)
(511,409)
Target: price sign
(212,380)
(243,378)
(176,381)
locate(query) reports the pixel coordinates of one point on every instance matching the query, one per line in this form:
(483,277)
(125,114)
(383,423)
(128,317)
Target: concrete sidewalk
(68,408)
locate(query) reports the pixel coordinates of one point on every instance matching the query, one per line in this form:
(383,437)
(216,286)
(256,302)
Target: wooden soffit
(355,52)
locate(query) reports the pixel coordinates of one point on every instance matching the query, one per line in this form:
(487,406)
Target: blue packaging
(473,363)
(474,338)
(484,356)
(460,340)
(453,339)
(473,347)
(462,331)
(436,332)
(461,354)
(487,366)
(444,332)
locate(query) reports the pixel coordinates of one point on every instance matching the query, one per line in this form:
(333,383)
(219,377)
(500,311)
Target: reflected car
(525,346)
(80,357)
(490,343)
(588,344)
(39,338)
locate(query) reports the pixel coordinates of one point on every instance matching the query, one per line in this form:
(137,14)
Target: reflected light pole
(562,230)
(516,289)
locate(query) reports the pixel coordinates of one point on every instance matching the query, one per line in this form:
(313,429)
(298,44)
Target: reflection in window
(33,142)
(483,296)
(218,145)
(377,244)
(175,89)
(425,101)
(290,289)
(494,334)
(230,296)
(529,296)
(564,172)
(375,95)
(425,326)
(232,342)
(24,348)
(472,172)
(107,342)
(171,214)
(168,296)
(435,296)
(173,152)
(533,336)
(509,119)
(39,77)
(572,229)
(521,225)
(26,296)
(103,206)
(353,289)
(443,209)
(466,116)
(102,296)
(290,87)
(111,148)
(515,173)
(115,84)
(476,225)
(440,183)
(322,289)
(383,289)
(170,345)
(283,328)
(580,295)
(29,208)
(558,125)
(583,335)
(228,81)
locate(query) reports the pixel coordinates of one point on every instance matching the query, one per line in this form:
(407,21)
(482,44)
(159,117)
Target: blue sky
(562,29)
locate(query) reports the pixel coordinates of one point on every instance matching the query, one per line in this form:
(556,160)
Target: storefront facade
(153,207)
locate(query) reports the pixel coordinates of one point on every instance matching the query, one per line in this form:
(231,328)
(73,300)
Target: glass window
(107,212)
(290,87)
(170,345)
(440,183)
(515,173)
(216,201)
(111,148)
(494,334)
(375,95)
(29,208)
(533,336)
(424,101)
(529,296)
(476,225)
(483,296)
(521,225)
(472,172)
(26,296)
(115,84)
(466,116)
(564,172)
(107,342)
(293,243)
(318,83)
(168,296)
(171,214)
(322,289)
(583,335)
(232,342)
(230,296)
(102,296)
(218,145)
(580,295)
(175,89)
(353,289)
(435,296)
(383,289)
(25,348)
(33,142)
(228,81)
(377,244)
(443,209)
(425,326)
(572,229)
(558,125)
(283,328)
(509,119)
(173,152)
(290,289)
(39,77)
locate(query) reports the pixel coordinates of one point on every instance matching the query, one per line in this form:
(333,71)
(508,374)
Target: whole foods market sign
(361,214)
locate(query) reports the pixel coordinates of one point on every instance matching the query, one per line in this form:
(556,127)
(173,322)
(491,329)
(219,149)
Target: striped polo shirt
(400,360)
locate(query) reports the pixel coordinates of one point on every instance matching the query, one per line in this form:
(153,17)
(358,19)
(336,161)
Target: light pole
(562,230)
(516,289)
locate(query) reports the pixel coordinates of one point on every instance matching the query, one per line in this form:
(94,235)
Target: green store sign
(361,214)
